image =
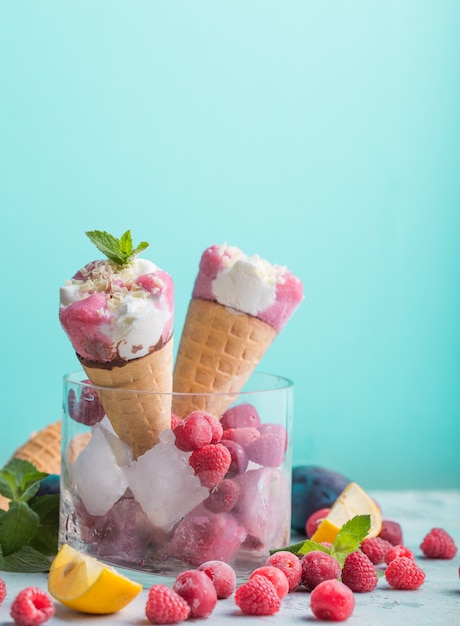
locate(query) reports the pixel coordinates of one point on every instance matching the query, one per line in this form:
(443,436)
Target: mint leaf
(25,560)
(349,537)
(17,527)
(302,547)
(120,251)
(19,480)
(45,539)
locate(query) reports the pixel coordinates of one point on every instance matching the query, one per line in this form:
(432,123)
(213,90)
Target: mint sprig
(120,251)
(29,528)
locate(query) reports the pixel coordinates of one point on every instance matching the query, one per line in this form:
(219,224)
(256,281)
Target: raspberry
(88,410)
(222,575)
(358,573)
(392,532)
(275,576)
(2,590)
(193,432)
(404,573)
(289,564)
(376,549)
(257,596)
(210,464)
(331,600)
(395,551)
(438,544)
(223,497)
(267,450)
(216,427)
(244,436)
(31,607)
(165,606)
(240,416)
(274,429)
(314,520)
(318,566)
(239,458)
(175,421)
(198,591)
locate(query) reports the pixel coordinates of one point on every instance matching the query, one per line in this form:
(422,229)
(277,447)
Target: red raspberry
(396,551)
(240,416)
(267,450)
(438,544)
(31,607)
(318,566)
(198,590)
(376,549)
(239,457)
(222,575)
(2,590)
(216,427)
(275,576)
(404,573)
(244,436)
(210,464)
(331,600)
(175,421)
(257,597)
(88,410)
(392,532)
(223,497)
(289,564)
(193,432)
(314,521)
(358,573)
(165,606)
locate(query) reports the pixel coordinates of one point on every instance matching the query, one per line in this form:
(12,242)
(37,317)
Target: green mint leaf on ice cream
(120,251)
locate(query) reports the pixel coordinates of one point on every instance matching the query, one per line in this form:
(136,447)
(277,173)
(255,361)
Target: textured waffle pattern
(43,449)
(218,351)
(137,418)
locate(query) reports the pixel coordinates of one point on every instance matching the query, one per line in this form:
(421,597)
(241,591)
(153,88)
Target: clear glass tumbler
(169,509)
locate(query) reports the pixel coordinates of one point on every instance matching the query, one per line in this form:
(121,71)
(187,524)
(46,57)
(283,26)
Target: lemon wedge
(351,502)
(84,584)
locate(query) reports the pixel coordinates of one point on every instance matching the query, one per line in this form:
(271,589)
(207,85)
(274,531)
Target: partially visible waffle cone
(219,349)
(138,401)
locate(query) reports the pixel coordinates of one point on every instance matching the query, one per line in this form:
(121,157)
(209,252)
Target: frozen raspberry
(165,606)
(358,572)
(438,544)
(395,551)
(31,607)
(289,564)
(275,576)
(314,521)
(223,497)
(193,432)
(175,421)
(244,436)
(257,596)
(210,464)
(223,577)
(216,427)
(333,601)
(275,429)
(239,458)
(240,416)
(392,532)
(376,549)
(2,590)
(404,573)
(267,450)
(318,566)
(88,410)
(197,589)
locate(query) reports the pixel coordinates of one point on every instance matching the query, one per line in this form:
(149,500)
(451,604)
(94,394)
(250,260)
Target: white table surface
(436,602)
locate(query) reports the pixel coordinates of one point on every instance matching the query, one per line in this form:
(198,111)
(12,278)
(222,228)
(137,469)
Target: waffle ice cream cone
(137,396)
(219,349)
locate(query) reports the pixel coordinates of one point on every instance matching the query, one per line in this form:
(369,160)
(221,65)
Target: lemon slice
(84,584)
(351,502)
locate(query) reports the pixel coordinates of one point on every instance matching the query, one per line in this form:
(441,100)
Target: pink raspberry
(275,429)
(275,576)
(267,450)
(165,606)
(223,577)
(333,601)
(175,421)
(376,549)
(216,427)
(358,572)
(396,551)
(238,455)
(198,590)
(210,464)
(2,590)
(223,497)
(404,573)
(438,544)
(314,521)
(244,436)
(392,532)
(88,410)
(193,432)
(257,596)
(31,607)
(318,566)
(240,416)
(289,564)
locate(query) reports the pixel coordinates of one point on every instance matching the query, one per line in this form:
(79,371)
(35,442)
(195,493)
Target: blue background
(322,135)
